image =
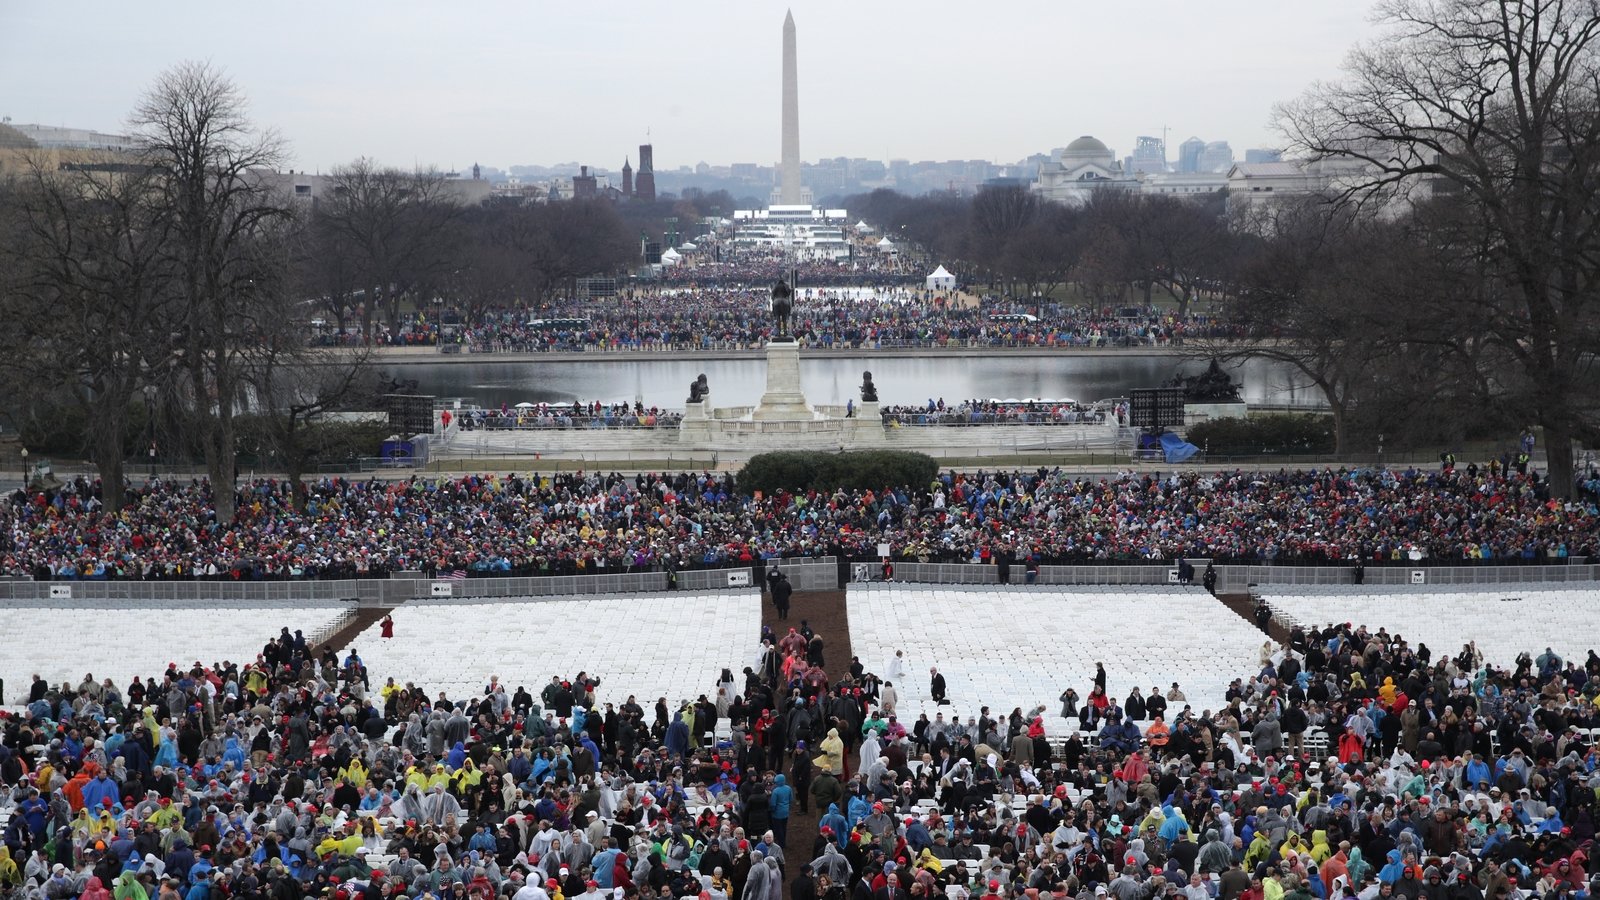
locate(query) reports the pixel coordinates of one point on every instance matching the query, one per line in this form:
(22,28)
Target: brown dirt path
(826,613)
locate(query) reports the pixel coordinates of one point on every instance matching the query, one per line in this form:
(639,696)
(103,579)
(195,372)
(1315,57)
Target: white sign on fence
(1419,576)
(442,589)
(1172,576)
(740,578)
(60,592)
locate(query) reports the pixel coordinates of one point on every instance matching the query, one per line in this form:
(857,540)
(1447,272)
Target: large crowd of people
(565,416)
(584,523)
(723,304)
(1349,764)
(736,264)
(1002,412)
(724,318)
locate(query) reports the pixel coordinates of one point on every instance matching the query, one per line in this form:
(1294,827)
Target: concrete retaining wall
(806,575)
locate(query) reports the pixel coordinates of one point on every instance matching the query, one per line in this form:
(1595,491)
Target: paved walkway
(355,621)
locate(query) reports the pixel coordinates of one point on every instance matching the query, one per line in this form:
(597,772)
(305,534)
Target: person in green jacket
(825,789)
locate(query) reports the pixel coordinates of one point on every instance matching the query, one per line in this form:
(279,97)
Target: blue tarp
(1176,448)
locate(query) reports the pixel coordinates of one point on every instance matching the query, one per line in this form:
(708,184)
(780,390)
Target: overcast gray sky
(504,83)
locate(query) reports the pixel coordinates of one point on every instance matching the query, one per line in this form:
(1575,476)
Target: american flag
(453,575)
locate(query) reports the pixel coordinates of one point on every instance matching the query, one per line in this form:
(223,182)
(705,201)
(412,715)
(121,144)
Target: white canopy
(887,246)
(688,245)
(863,227)
(941,279)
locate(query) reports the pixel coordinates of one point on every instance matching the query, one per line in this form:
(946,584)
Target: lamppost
(24,468)
(150,413)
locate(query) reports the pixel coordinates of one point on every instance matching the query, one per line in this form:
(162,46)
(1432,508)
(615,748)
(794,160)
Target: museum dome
(1087,146)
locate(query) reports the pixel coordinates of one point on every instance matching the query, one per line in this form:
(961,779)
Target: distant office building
(627,177)
(1184,184)
(584,185)
(1149,155)
(55,137)
(1292,181)
(1216,157)
(1263,155)
(1189,155)
(307,188)
(644,183)
(1081,168)
(1280,178)
(51,147)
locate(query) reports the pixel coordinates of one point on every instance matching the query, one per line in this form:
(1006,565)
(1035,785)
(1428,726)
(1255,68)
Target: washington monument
(789,191)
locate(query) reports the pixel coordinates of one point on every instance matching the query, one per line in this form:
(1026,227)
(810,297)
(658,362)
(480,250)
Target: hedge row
(799,470)
(1291,433)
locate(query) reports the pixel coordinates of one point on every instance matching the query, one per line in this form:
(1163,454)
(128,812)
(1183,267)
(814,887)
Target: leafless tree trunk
(86,298)
(295,386)
(206,154)
(1497,101)
(396,228)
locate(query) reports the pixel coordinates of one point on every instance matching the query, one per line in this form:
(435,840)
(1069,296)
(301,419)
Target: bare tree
(86,295)
(558,242)
(1121,248)
(1187,245)
(1499,101)
(1305,315)
(220,219)
(396,228)
(1354,306)
(937,223)
(1043,254)
(296,388)
(329,270)
(488,273)
(1000,212)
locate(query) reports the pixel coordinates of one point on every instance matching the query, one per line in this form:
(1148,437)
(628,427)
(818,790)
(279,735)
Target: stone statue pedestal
(696,424)
(783,400)
(866,429)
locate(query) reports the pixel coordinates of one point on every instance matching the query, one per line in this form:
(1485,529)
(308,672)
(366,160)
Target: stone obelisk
(789,192)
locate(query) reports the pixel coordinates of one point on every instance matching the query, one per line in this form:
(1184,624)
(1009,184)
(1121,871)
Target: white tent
(941,280)
(671,257)
(887,246)
(688,245)
(863,227)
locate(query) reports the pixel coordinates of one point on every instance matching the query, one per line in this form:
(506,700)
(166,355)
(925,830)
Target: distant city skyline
(833,178)
(519,83)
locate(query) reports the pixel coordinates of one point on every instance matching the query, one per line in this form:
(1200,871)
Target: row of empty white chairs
(1006,647)
(1504,620)
(664,645)
(120,639)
